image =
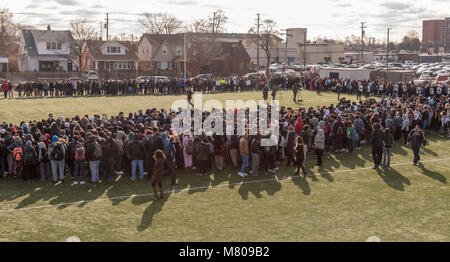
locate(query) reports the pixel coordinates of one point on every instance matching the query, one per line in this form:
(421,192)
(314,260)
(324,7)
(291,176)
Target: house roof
(175,39)
(95,48)
(225,50)
(32,36)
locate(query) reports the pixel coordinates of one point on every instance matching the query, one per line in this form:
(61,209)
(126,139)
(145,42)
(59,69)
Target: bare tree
(218,20)
(160,23)
(197,26)
(81,32)
(265,39)
(7,27)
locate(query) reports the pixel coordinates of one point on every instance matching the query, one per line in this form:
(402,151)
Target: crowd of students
(160,86)
(98,146)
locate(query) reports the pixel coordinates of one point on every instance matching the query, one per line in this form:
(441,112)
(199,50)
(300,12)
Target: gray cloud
(395,5)
(343,5)
(67,2)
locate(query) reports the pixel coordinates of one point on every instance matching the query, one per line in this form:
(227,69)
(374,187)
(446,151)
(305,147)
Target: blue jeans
(78,170)
(244,162)
(134,164)
(94,166)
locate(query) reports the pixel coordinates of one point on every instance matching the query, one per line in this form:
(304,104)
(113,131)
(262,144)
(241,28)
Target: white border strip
(206,187)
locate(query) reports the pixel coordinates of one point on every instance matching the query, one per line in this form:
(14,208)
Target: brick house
(111,59)
(160,54)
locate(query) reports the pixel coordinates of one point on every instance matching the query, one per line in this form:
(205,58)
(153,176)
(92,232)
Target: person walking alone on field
(417,138)
(158,173)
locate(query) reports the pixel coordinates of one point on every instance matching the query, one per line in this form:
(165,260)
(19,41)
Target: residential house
(46,51)
(218,58)
(164,54)
(111,59)
(158,52)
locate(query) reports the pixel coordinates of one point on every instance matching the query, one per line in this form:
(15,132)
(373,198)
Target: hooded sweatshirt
(319,140)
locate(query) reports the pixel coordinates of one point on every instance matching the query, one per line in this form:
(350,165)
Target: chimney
(49,28)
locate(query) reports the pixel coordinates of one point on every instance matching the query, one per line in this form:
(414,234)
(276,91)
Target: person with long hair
(158,173)
(300,156)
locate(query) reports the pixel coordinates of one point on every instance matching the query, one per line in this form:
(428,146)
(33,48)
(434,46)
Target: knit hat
(55,139)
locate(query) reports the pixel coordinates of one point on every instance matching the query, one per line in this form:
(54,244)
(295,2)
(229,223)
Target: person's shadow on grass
(303,184)
(154,208)
(431,174)
(394,179)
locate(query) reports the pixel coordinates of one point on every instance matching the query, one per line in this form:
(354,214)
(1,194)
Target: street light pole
(387,50)
(184,43)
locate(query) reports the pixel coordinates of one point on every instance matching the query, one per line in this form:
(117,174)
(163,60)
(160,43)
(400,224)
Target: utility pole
(257,40)
(387,50)
(101,30)
(362,40)
(214,26)
(107,26)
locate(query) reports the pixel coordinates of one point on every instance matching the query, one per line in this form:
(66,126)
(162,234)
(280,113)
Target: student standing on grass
(169,152)
(319,146)
(388,141)
(29,161)
(243,149)
(255,151)
(376,139)
(299,155)
(158,173)
(417,138)
(136,151)
(79,155)
(93,155)
(56,152)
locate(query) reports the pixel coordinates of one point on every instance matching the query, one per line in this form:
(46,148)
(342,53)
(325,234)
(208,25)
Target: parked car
(160,78)
(204,76)
(91,75)
(442,77)
(141,79)
(2,81)
(254,75)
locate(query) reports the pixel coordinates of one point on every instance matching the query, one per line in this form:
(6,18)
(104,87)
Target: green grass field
(344,200)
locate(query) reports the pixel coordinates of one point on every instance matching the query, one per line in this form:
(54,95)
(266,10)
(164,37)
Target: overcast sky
(331,18)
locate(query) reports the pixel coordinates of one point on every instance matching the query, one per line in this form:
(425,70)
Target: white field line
(206,187)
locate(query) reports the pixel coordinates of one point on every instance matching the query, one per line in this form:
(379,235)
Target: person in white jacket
(405,127)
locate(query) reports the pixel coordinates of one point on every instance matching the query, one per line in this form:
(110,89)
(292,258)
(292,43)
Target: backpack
(18,154)
(80,152)
(29,158)
(190,147)
(97,149)
(57,153)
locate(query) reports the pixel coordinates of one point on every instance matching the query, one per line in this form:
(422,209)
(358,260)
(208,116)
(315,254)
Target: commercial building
(436,34)
(296,49)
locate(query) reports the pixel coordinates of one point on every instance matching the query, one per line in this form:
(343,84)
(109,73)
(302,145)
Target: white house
(46,51)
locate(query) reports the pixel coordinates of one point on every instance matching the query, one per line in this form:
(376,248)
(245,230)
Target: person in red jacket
(5,88)
(298,125)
